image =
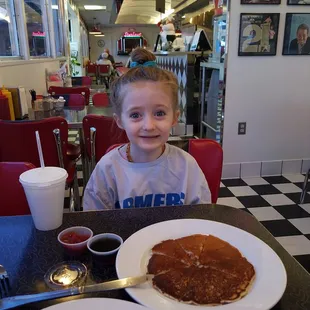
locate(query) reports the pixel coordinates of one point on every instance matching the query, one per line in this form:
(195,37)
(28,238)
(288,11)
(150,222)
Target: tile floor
(274,201)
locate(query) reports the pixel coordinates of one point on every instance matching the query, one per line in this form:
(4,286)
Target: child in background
(147,171)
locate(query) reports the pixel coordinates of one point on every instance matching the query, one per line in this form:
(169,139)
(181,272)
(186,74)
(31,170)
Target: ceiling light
(54,6)
(99,35)
(95,29)
(183,16)
(95,7)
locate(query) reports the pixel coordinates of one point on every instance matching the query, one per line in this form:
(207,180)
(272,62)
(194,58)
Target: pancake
(192,245)
(201,270)
(174,282)
(161,263)
(173,249)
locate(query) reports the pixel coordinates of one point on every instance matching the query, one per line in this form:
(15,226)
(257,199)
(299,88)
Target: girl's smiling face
(147,116)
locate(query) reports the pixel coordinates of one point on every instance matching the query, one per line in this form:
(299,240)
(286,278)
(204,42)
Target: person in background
(105,60)
(301,45)
(146,172)
(110,57)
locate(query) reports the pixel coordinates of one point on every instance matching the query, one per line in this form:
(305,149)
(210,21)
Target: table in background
(28,253)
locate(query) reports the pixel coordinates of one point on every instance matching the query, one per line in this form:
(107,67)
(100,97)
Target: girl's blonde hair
(143,74)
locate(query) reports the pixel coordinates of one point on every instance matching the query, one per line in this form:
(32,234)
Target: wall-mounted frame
(298,2)
(260,1)
(296,34)
(258,34)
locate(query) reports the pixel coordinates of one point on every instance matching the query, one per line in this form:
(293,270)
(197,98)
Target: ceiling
(132,12)
(142,11)
(102,17)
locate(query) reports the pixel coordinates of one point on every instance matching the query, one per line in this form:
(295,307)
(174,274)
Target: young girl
(147,171)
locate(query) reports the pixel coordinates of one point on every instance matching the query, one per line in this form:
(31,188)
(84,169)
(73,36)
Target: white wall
(271,94)
(27,74)
(112,34)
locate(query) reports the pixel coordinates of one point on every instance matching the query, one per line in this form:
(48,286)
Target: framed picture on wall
(258,34)
(298,2)
(296,35)
(260,1)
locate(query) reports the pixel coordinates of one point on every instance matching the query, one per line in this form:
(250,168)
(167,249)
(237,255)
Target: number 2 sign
(258,34)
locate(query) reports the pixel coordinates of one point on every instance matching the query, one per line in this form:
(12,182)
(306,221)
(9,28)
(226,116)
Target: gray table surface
(28,253)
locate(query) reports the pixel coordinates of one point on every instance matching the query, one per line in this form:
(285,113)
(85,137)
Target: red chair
(18,144)
(72,100)
(91,70)
(81,81)
(104,73)
(87,81)
(57,90)
(12,195)
(100,133)
(209,156)
(101,100)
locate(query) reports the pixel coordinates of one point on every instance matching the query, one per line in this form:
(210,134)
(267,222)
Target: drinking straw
(40,149)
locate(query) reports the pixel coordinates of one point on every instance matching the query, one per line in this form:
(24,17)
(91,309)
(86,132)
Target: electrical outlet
(242,128)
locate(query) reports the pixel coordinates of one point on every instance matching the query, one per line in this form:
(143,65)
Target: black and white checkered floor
(274,201)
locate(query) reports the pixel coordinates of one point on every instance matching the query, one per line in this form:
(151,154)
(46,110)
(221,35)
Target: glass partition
(36,27)
(8,33)
(57,18)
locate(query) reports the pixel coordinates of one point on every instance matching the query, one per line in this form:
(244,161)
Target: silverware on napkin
(12,302)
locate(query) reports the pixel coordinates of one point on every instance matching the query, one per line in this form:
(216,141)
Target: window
(84,42)
(58,33)
(37,29)
(8,33)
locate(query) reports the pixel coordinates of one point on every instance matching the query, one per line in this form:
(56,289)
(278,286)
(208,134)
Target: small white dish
(104,236)
(96,304)
(80,231)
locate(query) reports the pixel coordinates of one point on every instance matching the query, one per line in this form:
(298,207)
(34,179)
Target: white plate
(267,289)
(96,304)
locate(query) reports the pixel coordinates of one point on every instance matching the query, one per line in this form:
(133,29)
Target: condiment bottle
(8,94)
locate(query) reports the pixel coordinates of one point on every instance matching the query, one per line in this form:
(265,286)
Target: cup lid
(43,176)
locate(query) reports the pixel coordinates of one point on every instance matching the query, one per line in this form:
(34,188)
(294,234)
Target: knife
(19,300)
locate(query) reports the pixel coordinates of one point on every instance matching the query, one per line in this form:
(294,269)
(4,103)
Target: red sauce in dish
(73,237)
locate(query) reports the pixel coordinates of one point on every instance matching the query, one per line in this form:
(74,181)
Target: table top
(28,253)
(74,116)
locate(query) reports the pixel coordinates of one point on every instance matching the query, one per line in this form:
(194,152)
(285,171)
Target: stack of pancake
(200,269)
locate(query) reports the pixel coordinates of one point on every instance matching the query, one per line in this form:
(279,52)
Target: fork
(4,283)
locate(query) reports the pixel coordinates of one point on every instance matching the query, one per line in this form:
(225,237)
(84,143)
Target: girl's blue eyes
(134,115)
(160,113)
(137,115)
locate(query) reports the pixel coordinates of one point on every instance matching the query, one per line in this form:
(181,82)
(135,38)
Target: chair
(12,195)
(81,81)
(100,133)
(104,73)
(101,100)
(72,100)
(91,70)
(209,156)
(18,144)
(56,90)
(304,187)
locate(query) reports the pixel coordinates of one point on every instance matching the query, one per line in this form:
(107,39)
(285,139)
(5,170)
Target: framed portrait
(260,1)
(296,34)
(298,2)
(258,34)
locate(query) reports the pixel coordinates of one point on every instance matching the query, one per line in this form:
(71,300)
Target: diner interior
(243,118)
